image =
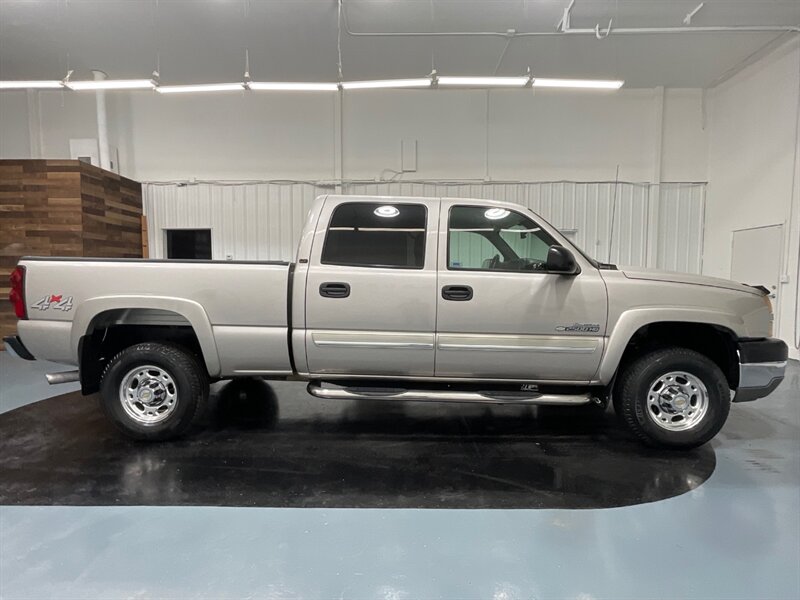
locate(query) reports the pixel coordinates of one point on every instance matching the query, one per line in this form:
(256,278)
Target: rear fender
(188,309)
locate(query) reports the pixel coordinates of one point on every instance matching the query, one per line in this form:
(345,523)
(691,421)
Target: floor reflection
(243,404)
(274,445)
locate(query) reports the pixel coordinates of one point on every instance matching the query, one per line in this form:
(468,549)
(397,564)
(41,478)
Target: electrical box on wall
(87,150)
(408,155)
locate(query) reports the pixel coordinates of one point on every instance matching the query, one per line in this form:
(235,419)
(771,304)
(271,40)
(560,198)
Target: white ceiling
(205,40)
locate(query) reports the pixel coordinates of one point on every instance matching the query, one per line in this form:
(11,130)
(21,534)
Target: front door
(499,314)
(371,288)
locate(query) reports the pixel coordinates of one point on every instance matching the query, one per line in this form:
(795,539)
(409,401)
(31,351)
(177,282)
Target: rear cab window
(376,234)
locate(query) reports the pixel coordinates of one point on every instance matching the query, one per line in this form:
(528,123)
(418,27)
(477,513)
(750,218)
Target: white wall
(752,168)
(64,116)
(14,138)
(685,141)
(545,135)
(542,135)
(232,136)
(551,134)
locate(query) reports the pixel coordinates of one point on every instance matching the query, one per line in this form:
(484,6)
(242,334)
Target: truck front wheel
(154,391)
(673,397)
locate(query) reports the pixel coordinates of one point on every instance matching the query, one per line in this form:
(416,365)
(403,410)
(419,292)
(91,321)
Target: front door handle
(458,293)
(334,289)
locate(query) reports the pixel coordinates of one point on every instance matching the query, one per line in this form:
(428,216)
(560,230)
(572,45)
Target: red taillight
(17,293)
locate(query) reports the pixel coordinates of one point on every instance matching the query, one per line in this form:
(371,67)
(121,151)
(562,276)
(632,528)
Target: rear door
(499,314)
(371,287)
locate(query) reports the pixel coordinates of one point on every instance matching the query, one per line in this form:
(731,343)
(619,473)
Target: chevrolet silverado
(392,298)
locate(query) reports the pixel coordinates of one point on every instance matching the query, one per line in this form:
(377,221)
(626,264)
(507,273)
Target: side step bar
(434,395)
(63,377)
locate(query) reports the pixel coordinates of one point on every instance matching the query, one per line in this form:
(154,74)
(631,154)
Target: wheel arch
(711,333)
(145,315)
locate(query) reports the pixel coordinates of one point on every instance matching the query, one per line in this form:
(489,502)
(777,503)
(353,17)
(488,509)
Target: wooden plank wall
(112,214)
(63,208)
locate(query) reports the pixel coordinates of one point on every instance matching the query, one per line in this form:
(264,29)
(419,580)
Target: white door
(756,257)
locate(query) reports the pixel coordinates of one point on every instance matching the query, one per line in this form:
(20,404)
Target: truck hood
(653,275)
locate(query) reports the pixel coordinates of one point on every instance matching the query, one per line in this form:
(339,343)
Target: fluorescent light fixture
(30,85)
(484,81)
(203,87)
(386,211)
(292,86)
(386,84)
(593,84)
(111,84)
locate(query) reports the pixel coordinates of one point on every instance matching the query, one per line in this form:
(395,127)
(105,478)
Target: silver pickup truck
(429,299)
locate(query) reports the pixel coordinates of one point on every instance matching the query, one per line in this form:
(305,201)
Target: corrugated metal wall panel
(681,213)
(262,221)
(253,221)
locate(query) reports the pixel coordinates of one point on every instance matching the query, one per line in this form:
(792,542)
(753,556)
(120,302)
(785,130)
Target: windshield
(595,263)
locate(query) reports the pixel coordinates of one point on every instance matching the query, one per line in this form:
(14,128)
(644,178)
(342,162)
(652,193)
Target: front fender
(188,309)
(632,320)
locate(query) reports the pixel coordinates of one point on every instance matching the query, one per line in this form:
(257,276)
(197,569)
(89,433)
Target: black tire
(188,378)
(633,386)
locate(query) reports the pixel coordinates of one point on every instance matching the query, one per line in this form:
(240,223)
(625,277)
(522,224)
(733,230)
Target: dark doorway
(189,243)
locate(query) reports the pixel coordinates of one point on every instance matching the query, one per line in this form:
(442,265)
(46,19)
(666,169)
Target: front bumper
(15,346)
(762,364)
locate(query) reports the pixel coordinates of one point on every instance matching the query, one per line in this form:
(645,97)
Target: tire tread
(628,408)
(189,365)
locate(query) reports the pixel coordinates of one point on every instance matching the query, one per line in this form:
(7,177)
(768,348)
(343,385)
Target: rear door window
(374,234)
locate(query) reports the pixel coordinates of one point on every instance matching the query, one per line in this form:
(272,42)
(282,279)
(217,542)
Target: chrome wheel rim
(148,394)
(677,401)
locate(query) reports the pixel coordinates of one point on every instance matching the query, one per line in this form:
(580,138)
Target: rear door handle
(334,289)
(458,293)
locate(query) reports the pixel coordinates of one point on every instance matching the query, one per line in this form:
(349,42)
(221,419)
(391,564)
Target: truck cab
(444,288)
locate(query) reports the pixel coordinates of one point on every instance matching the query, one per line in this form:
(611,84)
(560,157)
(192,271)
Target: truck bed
(238,309)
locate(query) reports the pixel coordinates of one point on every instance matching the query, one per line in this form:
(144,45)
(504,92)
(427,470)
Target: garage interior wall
(542,135)
(753,171)
(263,221)
(740,137)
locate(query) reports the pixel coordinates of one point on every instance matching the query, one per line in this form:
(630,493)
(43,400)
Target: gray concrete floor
(735,536)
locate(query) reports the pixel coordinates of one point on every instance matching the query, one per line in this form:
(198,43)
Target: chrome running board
(334,392)
(63,377)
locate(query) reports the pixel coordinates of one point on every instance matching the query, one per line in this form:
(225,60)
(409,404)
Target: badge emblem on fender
(54,301)
(580,328)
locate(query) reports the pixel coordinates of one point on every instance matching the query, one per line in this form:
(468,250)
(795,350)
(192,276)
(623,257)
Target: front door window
(486,238)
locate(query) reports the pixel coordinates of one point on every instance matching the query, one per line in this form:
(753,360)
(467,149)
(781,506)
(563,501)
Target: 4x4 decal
(54,301)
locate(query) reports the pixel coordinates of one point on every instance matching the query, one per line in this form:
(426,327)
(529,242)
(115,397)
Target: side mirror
(561,260)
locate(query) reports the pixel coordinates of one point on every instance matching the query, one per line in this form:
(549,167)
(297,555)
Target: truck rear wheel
(673,397)
(153,391)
